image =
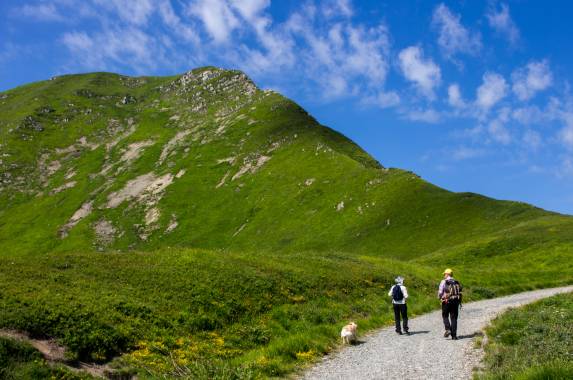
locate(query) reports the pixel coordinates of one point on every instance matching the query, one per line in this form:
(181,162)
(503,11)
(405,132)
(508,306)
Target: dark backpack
(453,290)
(397,294)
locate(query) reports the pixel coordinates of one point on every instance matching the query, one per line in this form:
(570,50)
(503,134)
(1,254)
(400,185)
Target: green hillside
(197,226)
(102,161)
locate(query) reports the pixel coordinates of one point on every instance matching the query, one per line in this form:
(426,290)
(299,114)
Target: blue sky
(473,96)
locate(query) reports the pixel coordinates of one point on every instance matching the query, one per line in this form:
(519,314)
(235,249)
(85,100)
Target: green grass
(532,342)
(215,314)
(260,314)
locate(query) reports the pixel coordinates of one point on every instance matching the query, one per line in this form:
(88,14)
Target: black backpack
(397,294)
(453,290)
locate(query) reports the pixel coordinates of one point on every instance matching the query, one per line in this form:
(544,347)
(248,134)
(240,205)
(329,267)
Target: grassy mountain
(208,160)
(199,226)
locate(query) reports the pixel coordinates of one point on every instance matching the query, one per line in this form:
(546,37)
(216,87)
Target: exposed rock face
(128,99)
(172,144)
(105,232)
(80,214)
(65,186)
(251,165)
(134,150)
(31,123)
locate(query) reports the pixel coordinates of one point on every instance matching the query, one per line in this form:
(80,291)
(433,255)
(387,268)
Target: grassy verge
(532,342)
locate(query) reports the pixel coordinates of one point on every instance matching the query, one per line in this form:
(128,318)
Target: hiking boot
(407,332)
(399,332)
(447,333)
(454,337)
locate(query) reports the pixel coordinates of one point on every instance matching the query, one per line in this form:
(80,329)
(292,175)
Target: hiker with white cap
(450,295)
(399,294)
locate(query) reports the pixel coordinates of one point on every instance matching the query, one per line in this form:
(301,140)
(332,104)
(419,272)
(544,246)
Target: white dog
(348,333)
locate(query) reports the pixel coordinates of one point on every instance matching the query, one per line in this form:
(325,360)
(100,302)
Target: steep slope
(206,159)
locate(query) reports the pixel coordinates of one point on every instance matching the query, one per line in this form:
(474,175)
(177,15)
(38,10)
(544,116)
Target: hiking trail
(54,354)
(425,354)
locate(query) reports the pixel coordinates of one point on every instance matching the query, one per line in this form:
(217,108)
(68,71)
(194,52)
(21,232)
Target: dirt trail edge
(55,354)
(425,354)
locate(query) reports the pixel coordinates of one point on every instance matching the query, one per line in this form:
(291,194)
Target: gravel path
(425,354)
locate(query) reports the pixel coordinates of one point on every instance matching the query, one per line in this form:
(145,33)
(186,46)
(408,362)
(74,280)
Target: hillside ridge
(207,159)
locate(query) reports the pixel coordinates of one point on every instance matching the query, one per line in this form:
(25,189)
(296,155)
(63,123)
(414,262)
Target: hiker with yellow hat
(450,294)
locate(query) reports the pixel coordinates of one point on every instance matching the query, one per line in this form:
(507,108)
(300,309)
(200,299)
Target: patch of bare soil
(147,189)
(80,213)
(222,181)
(133,188)
(65,186)
(56,354)
(133,151)
(171,145)
(251,166)
(172,224)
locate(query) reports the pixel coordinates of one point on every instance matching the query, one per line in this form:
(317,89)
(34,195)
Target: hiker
(399,294)
(450,294)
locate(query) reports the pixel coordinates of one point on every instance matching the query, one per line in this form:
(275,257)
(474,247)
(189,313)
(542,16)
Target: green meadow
(217,314)
(197,226)
(532,343)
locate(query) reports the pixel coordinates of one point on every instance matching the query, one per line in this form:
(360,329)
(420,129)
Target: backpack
(397,294)
(453,290)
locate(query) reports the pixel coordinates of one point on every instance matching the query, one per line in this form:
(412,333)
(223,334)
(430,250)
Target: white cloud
(565,168)
(423,72)
(502,23)
(77,41)
(341,57)
(425,115)
(383,99)
(532,139)
(132,12)
(337,8)
(41,12)
(492,90)
(250,9)
(116,47)
(217,17)
(528,115)
(497,127)
(465,153)
(455,97)
(453,36)
(534,77)
(566,133)
(174,22)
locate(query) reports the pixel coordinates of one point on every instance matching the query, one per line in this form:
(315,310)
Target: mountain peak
(203,159)
(210,77)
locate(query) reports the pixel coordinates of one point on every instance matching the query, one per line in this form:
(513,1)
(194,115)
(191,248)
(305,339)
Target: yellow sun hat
(448,271)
